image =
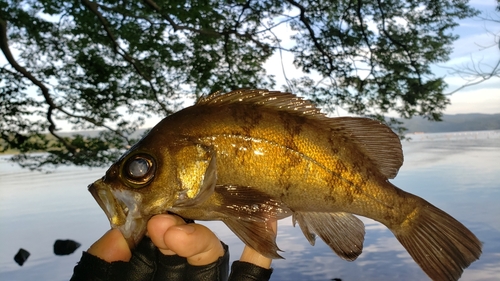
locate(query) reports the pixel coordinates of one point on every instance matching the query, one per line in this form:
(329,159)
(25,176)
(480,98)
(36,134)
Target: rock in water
(21,256)
(65,247)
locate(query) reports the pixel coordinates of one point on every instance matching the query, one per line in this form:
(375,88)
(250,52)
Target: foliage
(109,64)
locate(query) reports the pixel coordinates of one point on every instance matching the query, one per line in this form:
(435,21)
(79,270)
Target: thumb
(111,247)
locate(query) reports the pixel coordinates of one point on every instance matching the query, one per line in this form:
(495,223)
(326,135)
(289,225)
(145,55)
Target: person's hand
(173,250)
(171,235)
(193,241)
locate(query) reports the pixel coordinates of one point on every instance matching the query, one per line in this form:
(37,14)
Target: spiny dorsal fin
(271,99)
(376,140)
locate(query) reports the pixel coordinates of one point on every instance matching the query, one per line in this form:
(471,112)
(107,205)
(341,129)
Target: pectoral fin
(342,232)
(257,235)
(247,212)
(250,204)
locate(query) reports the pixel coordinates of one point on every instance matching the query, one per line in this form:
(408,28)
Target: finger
(158,226)
(195,242)
(252,256)
(111,247)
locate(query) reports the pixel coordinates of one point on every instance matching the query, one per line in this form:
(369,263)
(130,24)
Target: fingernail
(186,228)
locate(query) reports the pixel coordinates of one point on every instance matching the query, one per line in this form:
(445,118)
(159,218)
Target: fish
(251,156)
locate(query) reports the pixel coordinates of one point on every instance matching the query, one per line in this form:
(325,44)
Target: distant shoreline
(457,123)
(413,136)
(454,123)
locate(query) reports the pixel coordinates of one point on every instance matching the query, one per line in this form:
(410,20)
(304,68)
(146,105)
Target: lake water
(458,172)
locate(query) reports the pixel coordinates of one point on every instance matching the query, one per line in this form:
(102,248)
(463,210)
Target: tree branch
(4,46)
(312,34)
(397,43)
(206,32)
(125,13)
(484,76)
(365,37)
(92,6)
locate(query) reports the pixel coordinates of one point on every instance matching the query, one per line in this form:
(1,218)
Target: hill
(455,123)
(450,123)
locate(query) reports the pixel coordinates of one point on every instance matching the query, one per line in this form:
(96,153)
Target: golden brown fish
(249,156)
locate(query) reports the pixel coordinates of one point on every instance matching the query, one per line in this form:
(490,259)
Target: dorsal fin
(274,99)
(375,139)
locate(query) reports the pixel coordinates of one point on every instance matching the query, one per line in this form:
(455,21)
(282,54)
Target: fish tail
(439,244)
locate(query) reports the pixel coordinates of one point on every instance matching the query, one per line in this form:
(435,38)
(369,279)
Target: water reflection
(458,174)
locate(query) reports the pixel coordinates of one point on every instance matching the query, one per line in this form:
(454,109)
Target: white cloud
(476,101)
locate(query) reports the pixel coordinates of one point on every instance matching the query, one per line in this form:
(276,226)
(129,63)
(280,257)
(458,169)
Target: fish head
(150,179)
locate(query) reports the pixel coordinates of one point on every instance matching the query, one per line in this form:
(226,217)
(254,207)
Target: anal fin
(343,232)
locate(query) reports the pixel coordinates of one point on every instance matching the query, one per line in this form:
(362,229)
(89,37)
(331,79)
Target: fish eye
(139,169)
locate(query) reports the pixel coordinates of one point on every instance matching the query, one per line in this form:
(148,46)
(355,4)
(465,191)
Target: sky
(477,43)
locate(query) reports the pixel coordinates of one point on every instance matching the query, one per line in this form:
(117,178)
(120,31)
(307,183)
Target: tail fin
(438,243)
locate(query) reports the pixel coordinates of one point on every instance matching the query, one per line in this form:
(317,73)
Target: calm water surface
(460,173)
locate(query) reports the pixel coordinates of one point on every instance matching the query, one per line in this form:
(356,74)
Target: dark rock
(21,256)
(65,247)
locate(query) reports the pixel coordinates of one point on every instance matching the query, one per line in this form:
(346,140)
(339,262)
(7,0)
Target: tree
(108,65)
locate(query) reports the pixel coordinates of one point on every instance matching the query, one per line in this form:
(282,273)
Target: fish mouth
(114,210)
(122,212)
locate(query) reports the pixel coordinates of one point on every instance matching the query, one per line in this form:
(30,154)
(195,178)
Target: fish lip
(112,208)
(130,222)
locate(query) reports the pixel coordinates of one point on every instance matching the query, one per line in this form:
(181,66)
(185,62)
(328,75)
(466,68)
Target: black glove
(149,264)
